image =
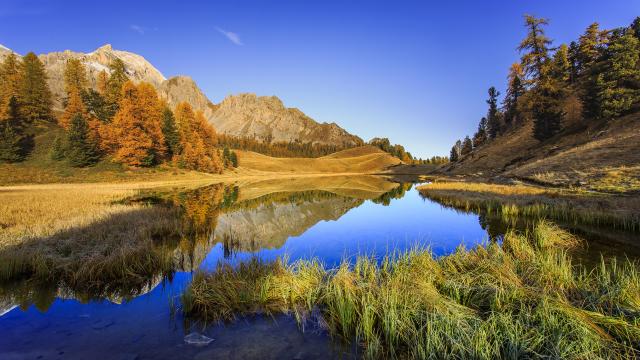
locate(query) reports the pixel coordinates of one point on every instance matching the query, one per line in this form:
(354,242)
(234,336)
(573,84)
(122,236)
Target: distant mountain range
(245,115)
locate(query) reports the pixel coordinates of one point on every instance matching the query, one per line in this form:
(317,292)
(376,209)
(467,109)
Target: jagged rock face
(271,224)
(267,226)
(266,116)
(138,69)
(182,88)
(240,115)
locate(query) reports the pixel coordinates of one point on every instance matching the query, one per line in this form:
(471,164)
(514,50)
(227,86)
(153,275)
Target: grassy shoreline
(511,201)
(521,298)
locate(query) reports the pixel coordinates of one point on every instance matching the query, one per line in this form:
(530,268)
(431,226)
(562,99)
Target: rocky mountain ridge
(245,115)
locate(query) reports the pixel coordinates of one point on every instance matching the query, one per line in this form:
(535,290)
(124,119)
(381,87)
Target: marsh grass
(517,201)
(523,298)
(87,240)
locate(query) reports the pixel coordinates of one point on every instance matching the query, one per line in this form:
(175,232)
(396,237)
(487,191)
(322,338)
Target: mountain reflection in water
(81,314)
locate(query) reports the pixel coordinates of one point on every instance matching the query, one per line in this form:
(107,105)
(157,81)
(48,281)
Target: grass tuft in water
(523,298)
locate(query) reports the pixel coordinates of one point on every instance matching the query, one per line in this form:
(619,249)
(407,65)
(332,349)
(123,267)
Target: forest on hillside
(127,122)
(552,88)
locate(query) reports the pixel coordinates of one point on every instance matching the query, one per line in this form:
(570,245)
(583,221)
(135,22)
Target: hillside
(599,155)
(365,160)
(244,115)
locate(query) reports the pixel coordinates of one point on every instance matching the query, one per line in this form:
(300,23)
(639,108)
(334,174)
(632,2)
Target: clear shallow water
(327,222)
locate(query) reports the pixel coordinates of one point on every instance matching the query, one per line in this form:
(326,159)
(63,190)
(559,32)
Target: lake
(331,219)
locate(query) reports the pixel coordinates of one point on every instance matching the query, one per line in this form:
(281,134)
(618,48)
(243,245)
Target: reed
(523,298)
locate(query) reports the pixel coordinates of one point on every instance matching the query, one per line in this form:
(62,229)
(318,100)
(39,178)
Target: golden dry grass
(524,200)
(36,211)
(601,156)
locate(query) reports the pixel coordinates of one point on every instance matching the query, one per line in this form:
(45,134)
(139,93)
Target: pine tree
(135,134)
(535,47)
(57,149)
(75,77)
(515,90)
(80,150)
(493,115)
(573,61)
(546,95)
(547,110)
(590,45)
(10,82)
(454,155)
(14,144)
(96,106)
(618,86)
(226,156)
(480,136)
(113,90)
(467,146)
(170,132)
(234,159)
(561,66)
(635,27)
(35,96)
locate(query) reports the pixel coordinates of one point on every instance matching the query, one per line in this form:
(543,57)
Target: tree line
(126,121)
(267,146)
(595,78)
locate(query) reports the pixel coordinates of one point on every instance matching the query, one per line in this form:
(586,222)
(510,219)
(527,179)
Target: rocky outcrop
(182,88)
(262,117)
(266,117)
(272,223)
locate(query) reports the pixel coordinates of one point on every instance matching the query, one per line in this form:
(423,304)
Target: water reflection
(84,303)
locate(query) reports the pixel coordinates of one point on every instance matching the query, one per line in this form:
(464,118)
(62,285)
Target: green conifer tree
(170,132)
(14,144)
(114,86)
(80,150)
(467,146)
(493,115)
(57,149)
(618,86)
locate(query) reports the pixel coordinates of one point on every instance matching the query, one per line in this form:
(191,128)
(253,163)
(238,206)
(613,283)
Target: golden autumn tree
(134,137)
(35,97)
(74,106)
(198,141)
(10,82)
(75,76)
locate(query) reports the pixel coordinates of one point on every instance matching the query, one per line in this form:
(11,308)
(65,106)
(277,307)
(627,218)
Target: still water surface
(330,222)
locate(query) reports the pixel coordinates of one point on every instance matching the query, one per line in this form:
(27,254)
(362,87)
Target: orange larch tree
(135,134)
(198,141)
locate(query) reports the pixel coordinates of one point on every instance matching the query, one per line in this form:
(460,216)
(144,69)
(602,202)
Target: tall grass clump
(523,298)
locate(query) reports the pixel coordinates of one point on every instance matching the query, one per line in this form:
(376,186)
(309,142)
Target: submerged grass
(523,298)
(514,201)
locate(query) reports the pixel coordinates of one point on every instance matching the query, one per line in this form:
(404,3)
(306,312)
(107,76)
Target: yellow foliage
(135,134)
(74,106)
(198,140)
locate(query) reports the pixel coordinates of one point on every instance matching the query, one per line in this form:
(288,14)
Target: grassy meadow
(86,236)
(523,298)
(512,201)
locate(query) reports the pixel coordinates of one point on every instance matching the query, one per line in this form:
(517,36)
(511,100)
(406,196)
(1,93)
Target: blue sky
(414,71)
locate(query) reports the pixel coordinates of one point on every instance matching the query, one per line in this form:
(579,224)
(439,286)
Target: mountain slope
(266,117)
(592,154)
(240,115)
